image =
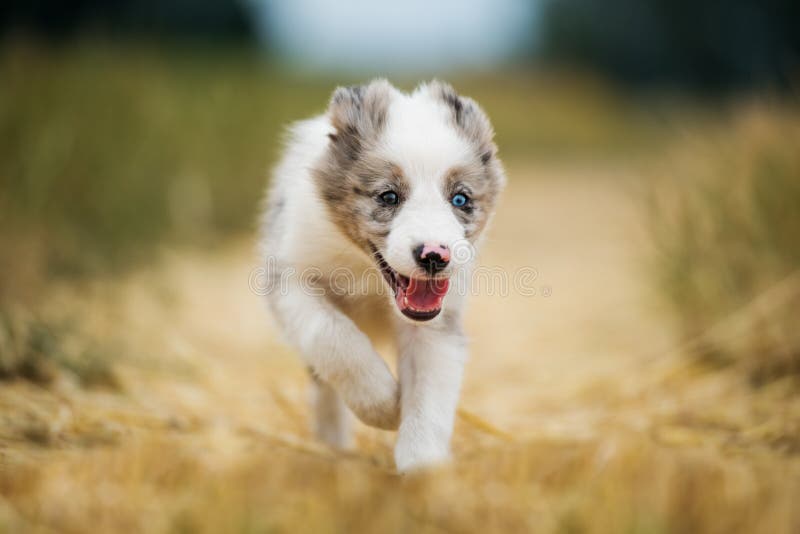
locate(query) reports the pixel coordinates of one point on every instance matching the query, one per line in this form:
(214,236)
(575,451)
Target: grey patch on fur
(358,114)
(314,375)
(275,206)
(350,178)
(468,118)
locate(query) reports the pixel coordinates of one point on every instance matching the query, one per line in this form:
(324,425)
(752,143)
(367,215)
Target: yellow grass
(577,414)
(725,224)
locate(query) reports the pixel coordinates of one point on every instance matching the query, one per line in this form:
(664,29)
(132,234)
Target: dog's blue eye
(390,198)
(459,200)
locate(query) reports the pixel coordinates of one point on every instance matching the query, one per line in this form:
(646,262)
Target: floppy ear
(358,115)
(468,118)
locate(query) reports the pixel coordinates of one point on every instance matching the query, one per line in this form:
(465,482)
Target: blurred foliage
(726,221)
(108,150)
(38,350)
(703,44)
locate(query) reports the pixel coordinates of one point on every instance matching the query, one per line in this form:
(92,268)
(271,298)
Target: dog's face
(412,180)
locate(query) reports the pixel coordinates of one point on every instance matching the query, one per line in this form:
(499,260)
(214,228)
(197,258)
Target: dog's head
(412,180)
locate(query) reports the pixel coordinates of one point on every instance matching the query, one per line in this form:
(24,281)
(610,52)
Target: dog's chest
(361,293)
(371,314)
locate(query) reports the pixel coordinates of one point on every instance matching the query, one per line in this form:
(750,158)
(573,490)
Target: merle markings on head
(407,177)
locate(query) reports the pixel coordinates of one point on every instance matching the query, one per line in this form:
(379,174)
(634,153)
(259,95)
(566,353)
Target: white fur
(334,335)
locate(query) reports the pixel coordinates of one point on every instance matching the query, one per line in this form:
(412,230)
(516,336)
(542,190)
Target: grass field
(145,390)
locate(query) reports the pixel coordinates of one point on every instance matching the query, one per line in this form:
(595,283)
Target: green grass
(112,150)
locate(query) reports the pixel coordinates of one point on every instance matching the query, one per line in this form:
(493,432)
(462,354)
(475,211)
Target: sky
(395,35)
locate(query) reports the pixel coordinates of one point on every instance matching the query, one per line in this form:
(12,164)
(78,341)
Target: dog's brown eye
(390,198)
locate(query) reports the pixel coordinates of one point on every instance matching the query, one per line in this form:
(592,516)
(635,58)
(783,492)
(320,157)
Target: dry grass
(579,411)
(41,351)
(165,484)
(726,221)
(605,431)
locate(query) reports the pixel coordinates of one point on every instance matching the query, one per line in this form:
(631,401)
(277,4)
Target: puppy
(369,235)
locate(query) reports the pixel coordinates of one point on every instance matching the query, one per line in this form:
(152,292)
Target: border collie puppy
(369,236)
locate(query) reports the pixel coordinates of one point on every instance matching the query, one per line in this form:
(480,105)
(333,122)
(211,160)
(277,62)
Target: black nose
(431,260)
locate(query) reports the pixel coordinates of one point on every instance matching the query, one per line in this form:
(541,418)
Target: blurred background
(653,153)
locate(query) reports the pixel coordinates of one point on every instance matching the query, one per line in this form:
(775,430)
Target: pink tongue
(426,294)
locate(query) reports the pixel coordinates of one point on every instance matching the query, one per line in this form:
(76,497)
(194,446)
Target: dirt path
(588,323)
(585,327)
(573,410)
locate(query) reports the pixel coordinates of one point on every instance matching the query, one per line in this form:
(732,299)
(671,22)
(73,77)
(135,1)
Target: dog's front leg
(339,354)
(431,365)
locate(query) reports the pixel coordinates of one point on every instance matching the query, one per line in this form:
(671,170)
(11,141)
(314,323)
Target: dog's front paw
(414,451)
(376,402)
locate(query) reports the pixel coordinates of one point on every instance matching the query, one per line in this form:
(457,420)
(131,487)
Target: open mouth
(419,299)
